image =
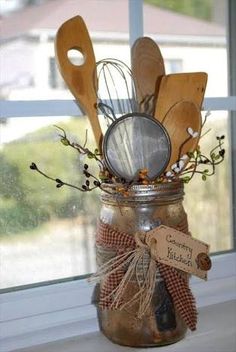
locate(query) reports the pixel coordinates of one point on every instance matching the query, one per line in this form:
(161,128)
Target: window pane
(193,33)
(192,37)
(208,203)
(28,67)
(48,233)
(45,233)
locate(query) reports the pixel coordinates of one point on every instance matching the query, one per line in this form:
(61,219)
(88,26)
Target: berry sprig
(198,160)
(59,182)
(80,148)
(198,163)
(87,185)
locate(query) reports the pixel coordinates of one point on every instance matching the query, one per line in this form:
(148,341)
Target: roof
(102,16)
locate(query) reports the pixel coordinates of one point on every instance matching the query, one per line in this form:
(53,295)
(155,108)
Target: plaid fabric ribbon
(176,283)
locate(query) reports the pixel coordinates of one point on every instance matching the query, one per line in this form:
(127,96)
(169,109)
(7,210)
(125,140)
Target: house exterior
(28,67)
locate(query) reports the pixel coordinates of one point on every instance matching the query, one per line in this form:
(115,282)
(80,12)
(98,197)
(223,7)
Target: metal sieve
(133,142)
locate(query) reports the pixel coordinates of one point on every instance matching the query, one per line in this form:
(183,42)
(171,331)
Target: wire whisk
(115,89)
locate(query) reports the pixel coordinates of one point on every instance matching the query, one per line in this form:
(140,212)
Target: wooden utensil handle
(81,79)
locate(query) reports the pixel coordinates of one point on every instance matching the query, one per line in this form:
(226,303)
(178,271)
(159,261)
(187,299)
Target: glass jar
(146,207)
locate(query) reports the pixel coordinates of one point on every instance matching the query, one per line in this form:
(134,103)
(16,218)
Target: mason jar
(144,208)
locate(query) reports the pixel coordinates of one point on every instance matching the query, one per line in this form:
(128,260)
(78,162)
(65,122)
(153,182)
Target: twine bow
(117,272)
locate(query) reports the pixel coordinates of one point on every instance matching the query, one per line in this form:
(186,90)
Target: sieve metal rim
(118,121)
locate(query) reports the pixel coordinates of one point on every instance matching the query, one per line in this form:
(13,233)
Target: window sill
(44,314)
(216,333)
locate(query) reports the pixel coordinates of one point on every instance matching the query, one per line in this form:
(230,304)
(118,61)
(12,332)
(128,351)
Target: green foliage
(28,199)
(10,186)
(21,217)
(195,8)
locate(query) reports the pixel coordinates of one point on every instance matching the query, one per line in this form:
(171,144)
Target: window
(173,65)
(51,231)
(58,227)
(55,80)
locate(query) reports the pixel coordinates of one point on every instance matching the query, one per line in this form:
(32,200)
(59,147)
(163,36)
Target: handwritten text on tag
(179,250)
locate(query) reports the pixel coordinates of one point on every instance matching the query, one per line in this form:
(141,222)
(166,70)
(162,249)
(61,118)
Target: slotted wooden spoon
(179,119)
(147,69)
(80,79)
(180,86)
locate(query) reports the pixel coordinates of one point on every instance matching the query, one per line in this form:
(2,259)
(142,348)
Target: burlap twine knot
(116,273)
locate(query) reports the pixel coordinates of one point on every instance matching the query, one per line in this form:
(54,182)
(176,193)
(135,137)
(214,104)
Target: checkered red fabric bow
(176,282)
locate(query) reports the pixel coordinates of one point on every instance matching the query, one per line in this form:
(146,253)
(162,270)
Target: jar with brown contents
(146,207)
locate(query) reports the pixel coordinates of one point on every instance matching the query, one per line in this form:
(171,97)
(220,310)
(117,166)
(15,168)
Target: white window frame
(48,313)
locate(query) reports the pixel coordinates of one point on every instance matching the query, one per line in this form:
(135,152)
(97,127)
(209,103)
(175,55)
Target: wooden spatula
(81,79)
(183,123)
(147,68)
(177,87)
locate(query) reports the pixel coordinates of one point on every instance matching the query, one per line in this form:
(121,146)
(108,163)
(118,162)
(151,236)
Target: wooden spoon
(81,79)
(180,121)
(180,86)
(147,68)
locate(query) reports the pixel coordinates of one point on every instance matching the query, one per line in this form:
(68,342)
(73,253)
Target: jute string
(131,259)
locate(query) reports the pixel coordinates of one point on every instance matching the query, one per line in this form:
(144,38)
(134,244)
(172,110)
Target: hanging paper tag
(181,251)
